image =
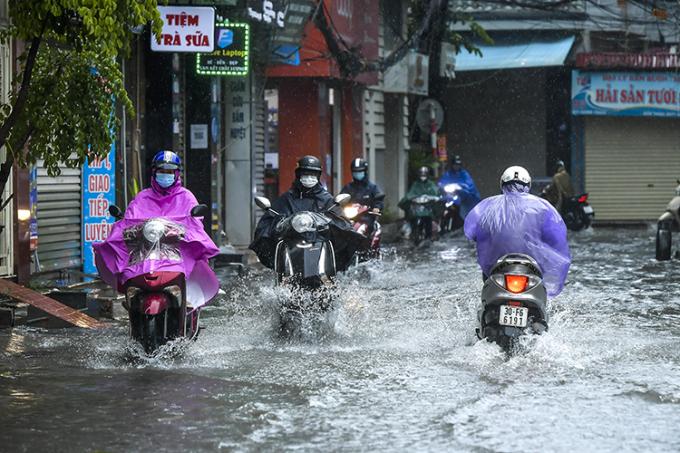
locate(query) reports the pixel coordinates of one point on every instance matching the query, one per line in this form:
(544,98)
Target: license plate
(513,316)
(588,209)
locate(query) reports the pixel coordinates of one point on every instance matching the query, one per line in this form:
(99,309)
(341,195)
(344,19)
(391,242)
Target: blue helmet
(166,160)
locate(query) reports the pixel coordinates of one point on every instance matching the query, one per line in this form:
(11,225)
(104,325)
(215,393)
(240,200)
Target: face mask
(358,175)
(309,181)
(423,178)
(165,180)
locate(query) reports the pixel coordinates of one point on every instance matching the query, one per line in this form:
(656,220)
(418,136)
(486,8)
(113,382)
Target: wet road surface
(400,369)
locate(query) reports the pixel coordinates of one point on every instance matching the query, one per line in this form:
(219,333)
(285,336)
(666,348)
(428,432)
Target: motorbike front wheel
(663,242)
(152,332)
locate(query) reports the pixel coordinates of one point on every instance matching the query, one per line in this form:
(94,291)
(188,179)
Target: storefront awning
(516,54)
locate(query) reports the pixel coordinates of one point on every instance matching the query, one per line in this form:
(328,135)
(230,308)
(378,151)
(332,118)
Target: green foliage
(69,104)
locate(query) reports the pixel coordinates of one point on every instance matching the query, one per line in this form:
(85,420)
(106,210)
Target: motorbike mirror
(115,212)
(379,197)
(342,199)
(200,210)
(263,203)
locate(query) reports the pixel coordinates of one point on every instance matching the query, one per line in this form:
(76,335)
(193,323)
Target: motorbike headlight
(303,223)
(153,231)
(450,188)
(350,211)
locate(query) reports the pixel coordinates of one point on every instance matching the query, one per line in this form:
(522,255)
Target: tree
(63,98)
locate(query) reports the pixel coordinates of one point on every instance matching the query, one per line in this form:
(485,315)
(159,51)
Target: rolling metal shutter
(6,235)
(259,124)
(59,215)
(631,165)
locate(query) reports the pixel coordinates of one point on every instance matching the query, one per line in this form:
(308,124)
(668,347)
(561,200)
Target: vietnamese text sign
(230,57)
(99,191)
(616,93)
(185,29)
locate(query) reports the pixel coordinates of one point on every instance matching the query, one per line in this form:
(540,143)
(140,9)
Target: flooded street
(401,369)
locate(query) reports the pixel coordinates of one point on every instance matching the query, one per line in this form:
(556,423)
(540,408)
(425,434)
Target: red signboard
(355,23)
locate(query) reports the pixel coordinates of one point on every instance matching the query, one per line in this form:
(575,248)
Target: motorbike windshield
(521,223)
(161,244)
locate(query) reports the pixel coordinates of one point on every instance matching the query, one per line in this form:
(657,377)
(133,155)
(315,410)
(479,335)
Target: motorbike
(451,219)
(668,223)
(576,211)
(513,301)
(157,295)
(420,211)
(305,260)
(360,217)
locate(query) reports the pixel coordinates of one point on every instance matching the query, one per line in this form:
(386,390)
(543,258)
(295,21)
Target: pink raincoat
(115,263)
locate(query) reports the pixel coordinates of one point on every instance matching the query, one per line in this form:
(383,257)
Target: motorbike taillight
(516,283)
(583,198)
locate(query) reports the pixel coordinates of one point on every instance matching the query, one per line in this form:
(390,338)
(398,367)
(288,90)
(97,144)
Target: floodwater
(400,370)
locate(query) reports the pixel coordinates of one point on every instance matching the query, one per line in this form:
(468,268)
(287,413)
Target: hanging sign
(614,93)
(230,57)
(99,192)
(185,29)
(271,12)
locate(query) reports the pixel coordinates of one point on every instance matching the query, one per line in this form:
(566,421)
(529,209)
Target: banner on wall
(614,93)
(99,192)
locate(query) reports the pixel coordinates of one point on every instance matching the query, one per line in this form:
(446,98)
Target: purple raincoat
(173,204)
(518,222)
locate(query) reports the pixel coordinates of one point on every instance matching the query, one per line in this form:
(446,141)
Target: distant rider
(468,193)
(306,194)
(518,222)
(363,191)
(560,189)
(422,186)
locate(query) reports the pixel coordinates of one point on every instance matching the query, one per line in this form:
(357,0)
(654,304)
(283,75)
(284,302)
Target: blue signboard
(614,93)
(99,191)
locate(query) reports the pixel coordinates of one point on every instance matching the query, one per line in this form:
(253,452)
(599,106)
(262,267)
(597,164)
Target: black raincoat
(317,199)
(365,193)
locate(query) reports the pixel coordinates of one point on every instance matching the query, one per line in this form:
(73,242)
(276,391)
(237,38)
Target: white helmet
(516,173)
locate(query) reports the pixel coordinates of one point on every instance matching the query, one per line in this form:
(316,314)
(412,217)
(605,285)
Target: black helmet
(559,164)
(309,164)
(358,164)
(424,171)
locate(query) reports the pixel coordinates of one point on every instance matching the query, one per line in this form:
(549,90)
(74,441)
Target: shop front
(627,141)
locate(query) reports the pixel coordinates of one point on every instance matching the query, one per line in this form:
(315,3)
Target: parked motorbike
(365,222)
(668,223)
(513,301)
(576,211)
(420,212)
(451,219)
(155,282)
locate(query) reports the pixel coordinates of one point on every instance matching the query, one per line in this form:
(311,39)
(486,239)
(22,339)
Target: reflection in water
(400,369)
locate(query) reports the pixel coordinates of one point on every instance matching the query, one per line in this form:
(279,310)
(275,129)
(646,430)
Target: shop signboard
(271,12)
(615,93)
(99,192)
(185,29)
(232,48)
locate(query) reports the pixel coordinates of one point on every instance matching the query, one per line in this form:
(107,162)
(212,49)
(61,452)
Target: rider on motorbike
(518,222)
(166,198)
(468,192)
(306,194)
(362,190)
(422,186)
(560,189)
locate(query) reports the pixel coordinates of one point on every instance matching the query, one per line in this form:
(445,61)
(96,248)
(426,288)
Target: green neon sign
(232,51)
